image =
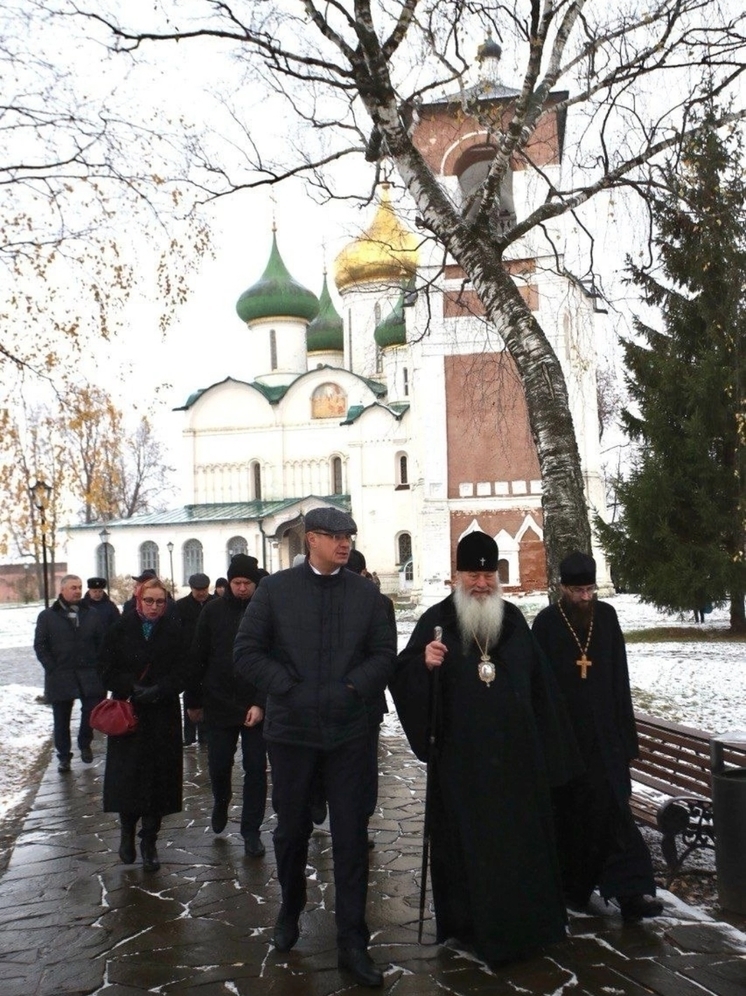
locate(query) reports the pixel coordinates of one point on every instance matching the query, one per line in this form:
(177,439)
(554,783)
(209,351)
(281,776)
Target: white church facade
(397,403)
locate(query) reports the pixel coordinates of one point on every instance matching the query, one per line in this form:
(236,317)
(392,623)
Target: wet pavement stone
(74,920)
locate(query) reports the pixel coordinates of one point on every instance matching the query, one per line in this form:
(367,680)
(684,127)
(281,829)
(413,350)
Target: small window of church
(503,571)
(236,544)
(405,382)
(256,481)
(337,487)
(193,559)
(272,349)
(404,548)
(106,566)
(402,472)
(328,401)
(149,559)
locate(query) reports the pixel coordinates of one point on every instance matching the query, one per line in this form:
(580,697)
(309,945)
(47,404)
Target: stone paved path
(73,920)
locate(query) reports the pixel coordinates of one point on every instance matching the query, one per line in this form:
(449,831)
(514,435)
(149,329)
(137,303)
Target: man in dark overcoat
(188,610)
(231,709)
(97,598)
(599,842)
(67,643)
(501,739)
(315,639)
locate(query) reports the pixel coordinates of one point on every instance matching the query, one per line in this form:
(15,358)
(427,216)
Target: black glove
(146,694)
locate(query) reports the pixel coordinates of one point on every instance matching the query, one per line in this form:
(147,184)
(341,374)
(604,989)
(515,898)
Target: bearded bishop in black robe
(501,739)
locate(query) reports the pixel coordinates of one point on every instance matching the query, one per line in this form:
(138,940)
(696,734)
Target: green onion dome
(326,331)
(277,294)
(392,331)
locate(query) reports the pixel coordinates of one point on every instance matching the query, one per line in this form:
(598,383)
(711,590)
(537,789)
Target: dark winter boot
(150,862)
(127,853)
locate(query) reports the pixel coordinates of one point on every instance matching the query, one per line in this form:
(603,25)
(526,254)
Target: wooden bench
(674,763)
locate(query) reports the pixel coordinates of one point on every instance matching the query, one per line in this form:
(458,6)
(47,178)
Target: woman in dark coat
(143,658)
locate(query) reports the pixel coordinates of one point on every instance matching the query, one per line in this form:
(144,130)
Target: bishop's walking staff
(431,741)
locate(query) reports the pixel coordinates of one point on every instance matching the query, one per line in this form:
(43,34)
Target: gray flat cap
(329,520)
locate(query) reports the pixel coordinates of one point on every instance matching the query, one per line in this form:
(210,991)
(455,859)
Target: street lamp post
(40,492)
(104,537)
(170,548)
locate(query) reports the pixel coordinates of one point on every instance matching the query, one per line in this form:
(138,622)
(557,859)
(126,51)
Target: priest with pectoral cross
(500,738)
(599,843)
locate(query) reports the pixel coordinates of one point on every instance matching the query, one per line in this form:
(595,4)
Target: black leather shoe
(360,965)
(635,908)
(220,816)
(127,853)
(286,932)
(150,862)
(86,755)
(252,845)
(63,764)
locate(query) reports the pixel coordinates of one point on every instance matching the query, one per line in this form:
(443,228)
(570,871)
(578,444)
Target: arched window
(503,571)
(193,558)
(409,570)
(404,547)
(472,172)
(272,349)
(106,566)
(256,481)
(236,544)
(337,487)
(402,472)
(149,559)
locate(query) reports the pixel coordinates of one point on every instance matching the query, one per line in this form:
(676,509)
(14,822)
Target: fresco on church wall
(328,401)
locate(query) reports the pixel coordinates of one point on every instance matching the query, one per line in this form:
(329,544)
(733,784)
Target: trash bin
(729,815)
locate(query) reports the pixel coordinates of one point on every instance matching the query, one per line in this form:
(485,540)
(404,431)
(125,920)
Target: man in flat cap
(231,709)
(316,640)
(187,611)
(598,840)
(501,738)
(97,598)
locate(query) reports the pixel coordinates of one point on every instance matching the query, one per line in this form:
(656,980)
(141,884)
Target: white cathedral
(398,403)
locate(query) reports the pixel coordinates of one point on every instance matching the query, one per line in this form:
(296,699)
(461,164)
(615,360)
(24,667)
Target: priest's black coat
(599,841)
(495,875)
(144,769)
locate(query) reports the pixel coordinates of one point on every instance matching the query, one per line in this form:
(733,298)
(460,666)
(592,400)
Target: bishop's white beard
(478,617)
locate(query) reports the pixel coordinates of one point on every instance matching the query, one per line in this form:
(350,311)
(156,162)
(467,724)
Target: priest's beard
(478,617)
(579,613)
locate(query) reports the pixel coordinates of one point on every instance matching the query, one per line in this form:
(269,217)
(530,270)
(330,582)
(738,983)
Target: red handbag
(114,717)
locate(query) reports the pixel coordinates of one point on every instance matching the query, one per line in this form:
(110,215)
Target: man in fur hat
(599,842)
(231,710)
(501,738)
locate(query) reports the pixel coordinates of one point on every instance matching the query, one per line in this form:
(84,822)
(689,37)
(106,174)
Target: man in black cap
(501,739)
(98,599)
(231,709)
(187,610)
(598,840)
(316,640)
(67,643)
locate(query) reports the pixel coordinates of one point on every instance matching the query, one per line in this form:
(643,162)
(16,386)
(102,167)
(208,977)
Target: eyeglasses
(337,537)
(588,589)
(154,601)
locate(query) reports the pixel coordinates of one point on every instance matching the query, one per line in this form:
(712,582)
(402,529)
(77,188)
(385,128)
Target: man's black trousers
(346,778)
(221,749)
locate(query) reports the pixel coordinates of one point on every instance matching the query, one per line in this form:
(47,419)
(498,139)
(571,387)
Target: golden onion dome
(386,252)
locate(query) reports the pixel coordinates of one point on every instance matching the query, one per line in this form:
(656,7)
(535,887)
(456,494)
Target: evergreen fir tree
(680,541)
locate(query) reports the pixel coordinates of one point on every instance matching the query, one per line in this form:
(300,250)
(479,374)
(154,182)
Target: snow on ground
(701,683)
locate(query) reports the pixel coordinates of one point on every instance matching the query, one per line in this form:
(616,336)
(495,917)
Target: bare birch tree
(354,73)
